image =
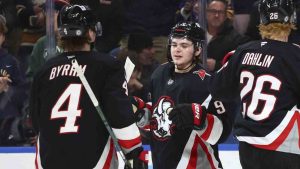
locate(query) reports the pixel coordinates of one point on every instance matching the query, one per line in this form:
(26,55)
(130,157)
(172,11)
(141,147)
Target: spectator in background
(241,17)
(110,14)
(9,11)
(155,16)
(221,36)
(187,13)
(196,10)
(140,44)
(294,37)
(252,29)
(11,94)
(38,55)
(32,21)
(30,13)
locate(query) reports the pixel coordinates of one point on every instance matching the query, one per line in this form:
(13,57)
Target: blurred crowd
(135,28)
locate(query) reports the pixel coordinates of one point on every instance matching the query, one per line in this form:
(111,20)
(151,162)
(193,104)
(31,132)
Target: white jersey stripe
(271,137)
(104,155)
(291,144)
(38,164)
(215,126)
(132,132)
(210,160)
(203,155)
(292,136)
(183,163)
(216,131)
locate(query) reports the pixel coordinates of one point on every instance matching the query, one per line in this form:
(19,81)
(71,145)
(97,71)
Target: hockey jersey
(172,148)
(70,132)
(265,75)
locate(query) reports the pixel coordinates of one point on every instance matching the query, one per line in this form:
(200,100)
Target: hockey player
(265,75)
(71,134)
(184,134)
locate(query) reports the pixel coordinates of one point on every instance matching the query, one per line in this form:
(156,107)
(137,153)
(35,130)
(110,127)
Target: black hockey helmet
(189,30)
(277,11)
(75,20)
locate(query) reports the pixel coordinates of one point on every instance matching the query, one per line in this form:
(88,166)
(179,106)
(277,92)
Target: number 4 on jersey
(72,95)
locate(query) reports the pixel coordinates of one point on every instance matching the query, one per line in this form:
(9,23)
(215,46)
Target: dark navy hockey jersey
(9,66)
(172,148)
(70,132)
(266,76)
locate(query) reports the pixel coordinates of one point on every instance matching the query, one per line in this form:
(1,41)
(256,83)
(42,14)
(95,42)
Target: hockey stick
(99,111)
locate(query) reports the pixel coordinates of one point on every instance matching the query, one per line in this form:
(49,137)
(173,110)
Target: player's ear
(91,36)
(198,50)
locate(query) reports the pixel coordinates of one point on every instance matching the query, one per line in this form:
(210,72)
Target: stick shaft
(96,104)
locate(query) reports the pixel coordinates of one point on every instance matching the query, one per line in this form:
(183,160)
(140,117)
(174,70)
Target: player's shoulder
(91,58)
(270,46)
(288,51)
(162,69)
(200,72)
(106,59)
(242,48)
(87,57)
(296,47)
(291,55)
(250,44)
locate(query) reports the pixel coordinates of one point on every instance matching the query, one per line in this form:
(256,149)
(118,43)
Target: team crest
(201,73)
(161,126)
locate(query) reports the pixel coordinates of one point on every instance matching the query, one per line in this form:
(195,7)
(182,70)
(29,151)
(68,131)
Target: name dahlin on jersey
(257,59)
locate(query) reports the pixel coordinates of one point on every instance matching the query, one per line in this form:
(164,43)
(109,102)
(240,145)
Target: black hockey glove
(135,161)
(141,111)
(188,116)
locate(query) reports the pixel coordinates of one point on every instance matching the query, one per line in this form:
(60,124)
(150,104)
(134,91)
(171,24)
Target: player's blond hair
(275,30)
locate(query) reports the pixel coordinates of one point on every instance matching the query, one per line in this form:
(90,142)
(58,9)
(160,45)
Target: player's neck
(280,38)
(85,47)
(184,70)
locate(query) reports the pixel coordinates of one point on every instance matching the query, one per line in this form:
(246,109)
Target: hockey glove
(135,160)
(141,111)
(188,116)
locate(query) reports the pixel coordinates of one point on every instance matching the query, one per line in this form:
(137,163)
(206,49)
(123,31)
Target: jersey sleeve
(223,107)
(118,109)
(218,123)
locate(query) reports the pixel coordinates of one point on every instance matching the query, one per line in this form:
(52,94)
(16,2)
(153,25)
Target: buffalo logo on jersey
(201,73)
(161,127)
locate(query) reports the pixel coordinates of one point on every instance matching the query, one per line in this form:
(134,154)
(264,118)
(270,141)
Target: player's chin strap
(100,112)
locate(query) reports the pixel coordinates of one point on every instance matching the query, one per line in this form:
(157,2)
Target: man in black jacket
(221,36)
